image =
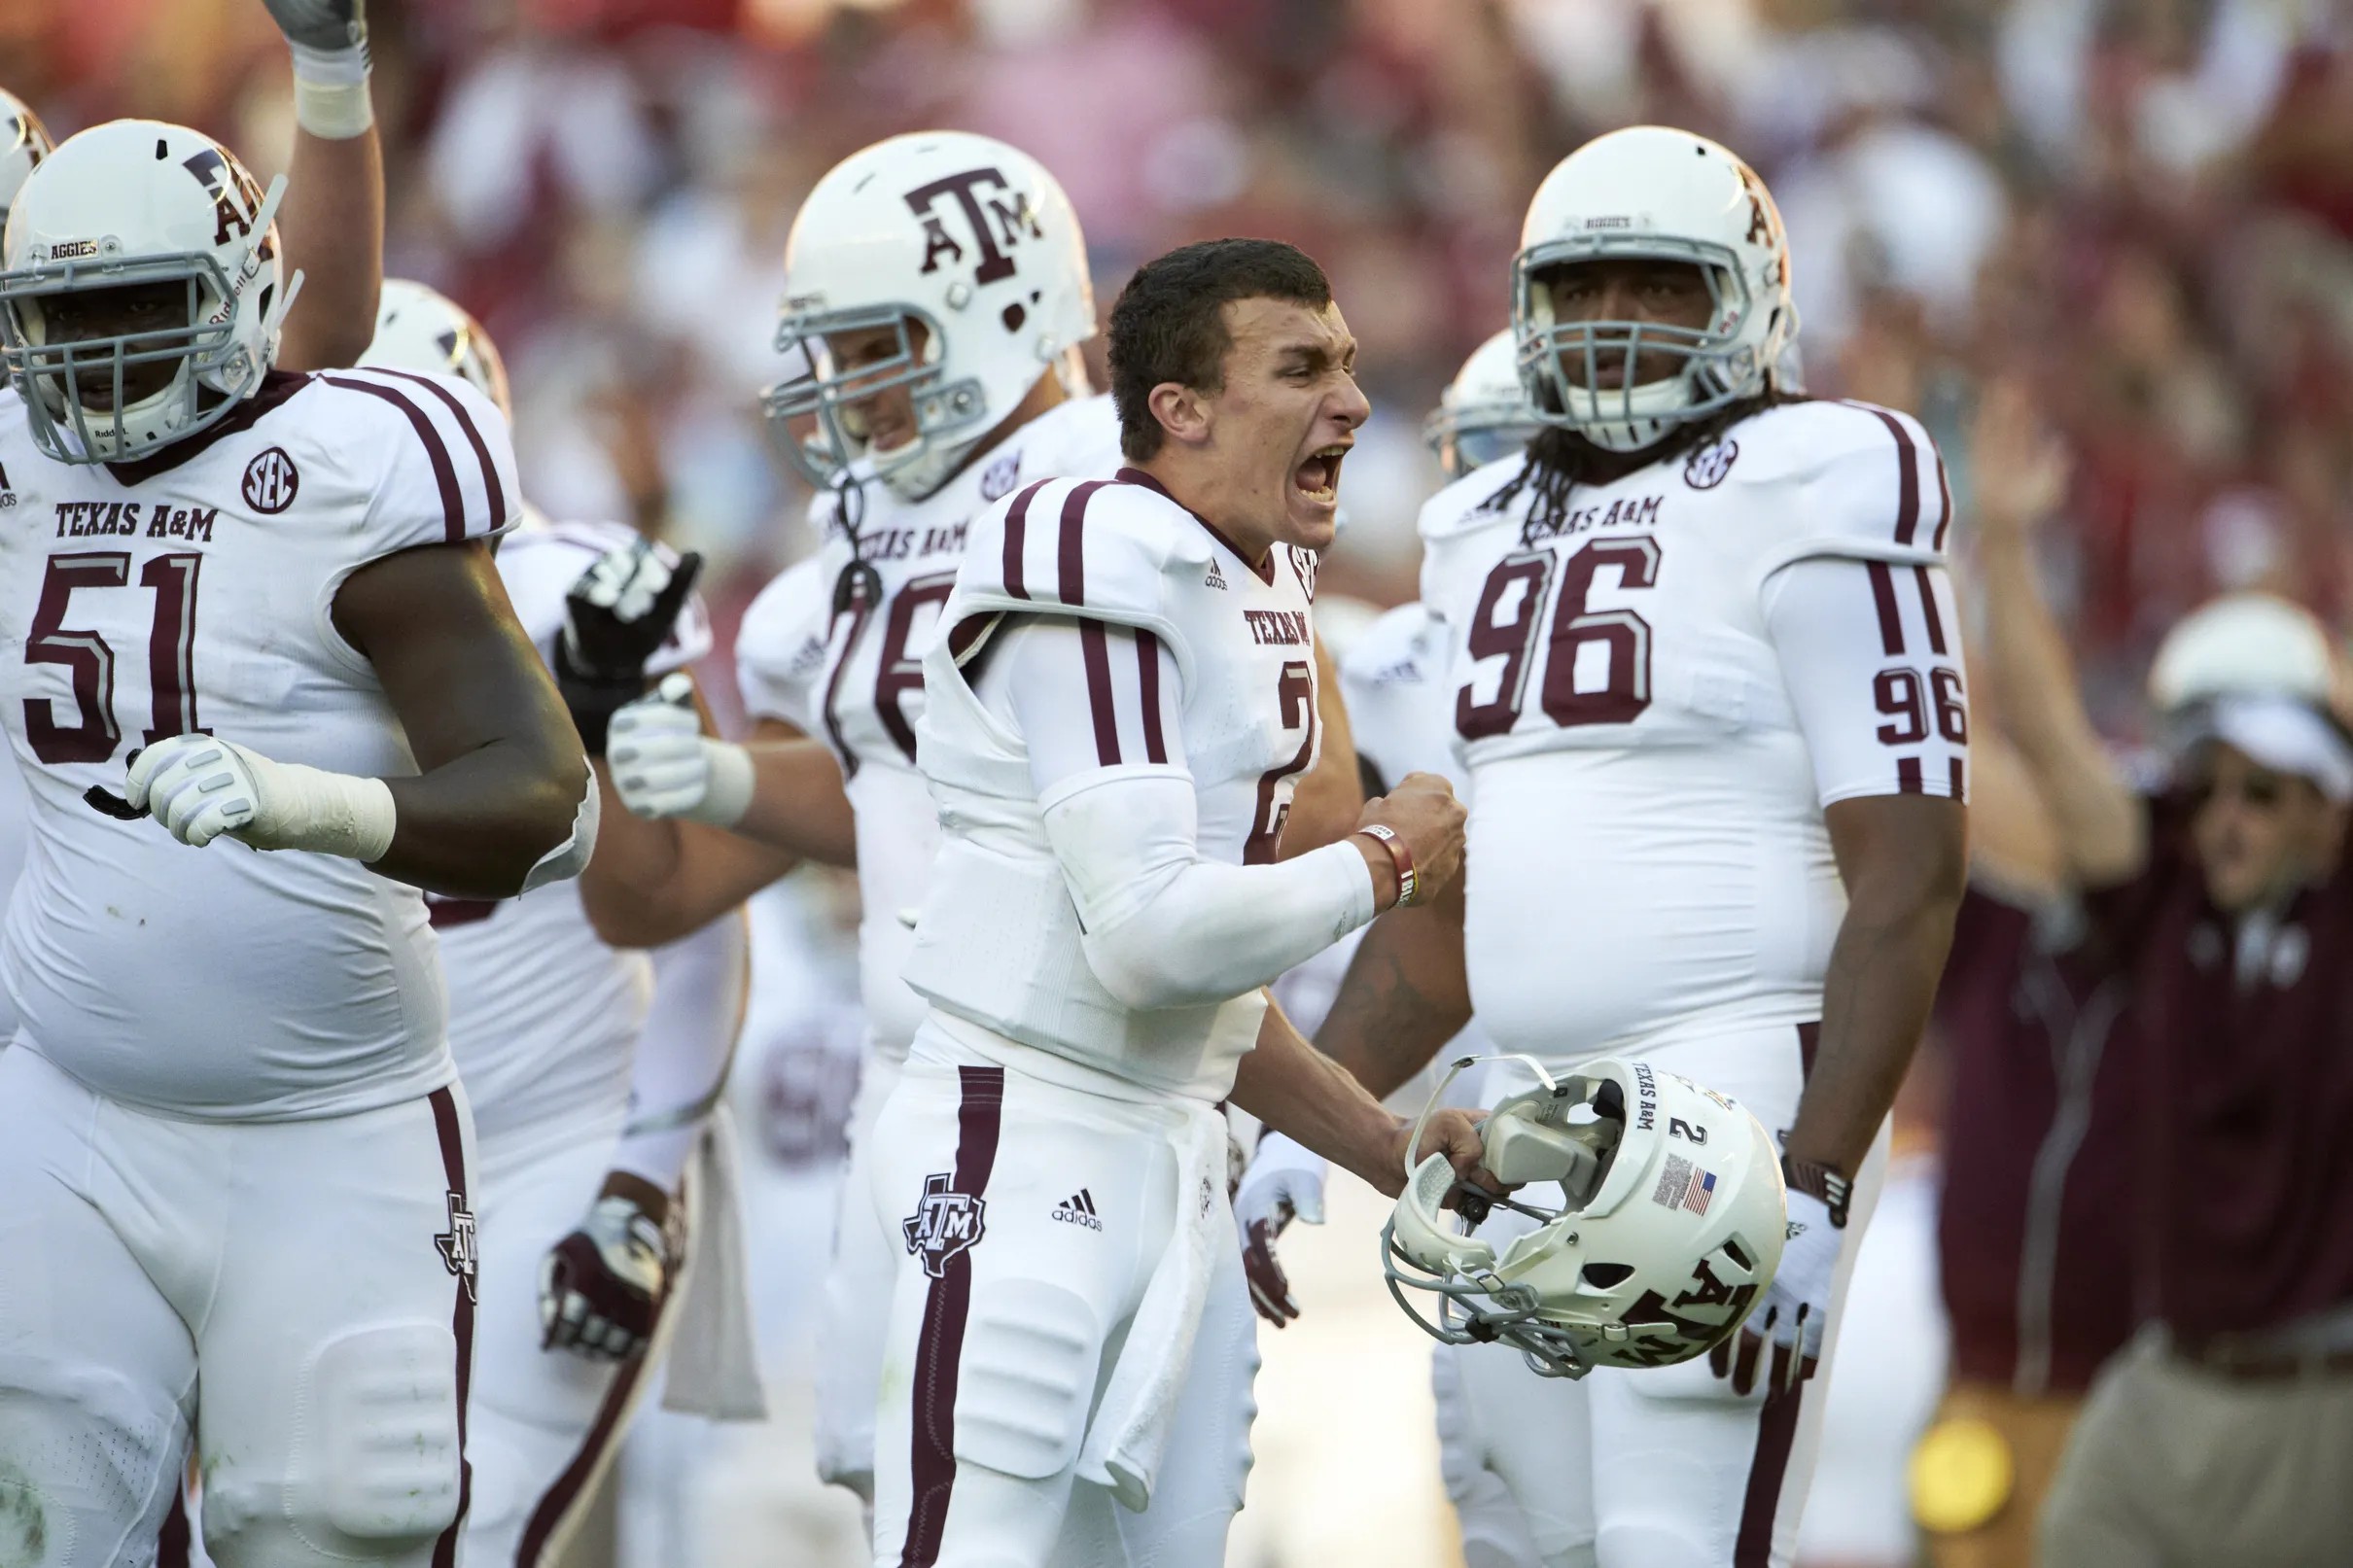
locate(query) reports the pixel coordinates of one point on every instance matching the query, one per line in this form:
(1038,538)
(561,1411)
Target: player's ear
(1182,411)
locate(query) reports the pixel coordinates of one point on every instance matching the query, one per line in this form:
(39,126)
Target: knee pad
(1026,1378)
(376,1465)
(88,1464)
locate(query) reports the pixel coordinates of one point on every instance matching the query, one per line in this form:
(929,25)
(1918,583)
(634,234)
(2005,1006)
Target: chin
(1312,531)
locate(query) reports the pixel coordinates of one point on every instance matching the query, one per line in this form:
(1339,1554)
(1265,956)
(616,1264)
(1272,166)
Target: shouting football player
(936,290)
(1118,707)
(1706,680)
(253,607)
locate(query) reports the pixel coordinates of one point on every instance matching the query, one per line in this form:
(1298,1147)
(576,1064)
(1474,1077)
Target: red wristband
(1400,856)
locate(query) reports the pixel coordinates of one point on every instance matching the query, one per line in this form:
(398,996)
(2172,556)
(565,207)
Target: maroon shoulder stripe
(1776,1434)
(444,472)
(491,487)
(1907,778)
(1882,596)
(1944,496)
(1017,535)
(1094,648)
(1936,622)
(940,1346)
(460,1323)
(1147,677)
(1071,555)
(1908,478)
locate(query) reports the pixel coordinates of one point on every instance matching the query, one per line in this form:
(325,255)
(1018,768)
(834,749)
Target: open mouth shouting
(1316,481)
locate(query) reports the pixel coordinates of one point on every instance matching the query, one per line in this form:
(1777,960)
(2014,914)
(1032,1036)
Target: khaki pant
(2035,1432)
(2176,1466)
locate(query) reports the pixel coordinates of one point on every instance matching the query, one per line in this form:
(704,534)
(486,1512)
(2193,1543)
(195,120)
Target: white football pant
(855,1312)
(546,1423)
(1044,1210)
(1661,1468)
(317,1277)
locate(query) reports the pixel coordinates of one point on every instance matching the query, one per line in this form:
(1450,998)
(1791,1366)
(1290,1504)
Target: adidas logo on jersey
(1216,578)
(1078,1209)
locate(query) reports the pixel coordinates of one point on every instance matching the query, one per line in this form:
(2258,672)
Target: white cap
(2286,736)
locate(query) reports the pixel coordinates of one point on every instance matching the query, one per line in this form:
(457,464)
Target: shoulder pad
(439,464)
(779,648)
(1858,481)
(1458,527)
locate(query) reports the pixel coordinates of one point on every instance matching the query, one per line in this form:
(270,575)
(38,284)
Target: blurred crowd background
(2137,212)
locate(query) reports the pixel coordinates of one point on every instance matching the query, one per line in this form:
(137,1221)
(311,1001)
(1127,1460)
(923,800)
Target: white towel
(1130,1432)
(714,1364)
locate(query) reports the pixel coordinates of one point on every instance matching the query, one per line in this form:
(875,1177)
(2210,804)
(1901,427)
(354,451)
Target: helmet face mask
(138,206)
(952,269)
(1669,1227)
(1651,194)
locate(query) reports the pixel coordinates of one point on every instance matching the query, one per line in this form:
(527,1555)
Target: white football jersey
(542,1015)
(194,590)
(998,943)
(1647,856)
(850,672)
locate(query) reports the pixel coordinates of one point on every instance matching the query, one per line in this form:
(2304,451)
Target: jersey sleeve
(1852,480)
(445,469)
(1870,655)
(780,649)
(1091,702)
(1092,550)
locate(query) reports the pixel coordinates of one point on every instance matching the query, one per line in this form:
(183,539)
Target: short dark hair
(1168,324)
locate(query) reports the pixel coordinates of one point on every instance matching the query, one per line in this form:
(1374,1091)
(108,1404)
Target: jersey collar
(276,388)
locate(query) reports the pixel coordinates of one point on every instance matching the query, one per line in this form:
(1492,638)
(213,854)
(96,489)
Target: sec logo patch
(270,481)
(1709,463)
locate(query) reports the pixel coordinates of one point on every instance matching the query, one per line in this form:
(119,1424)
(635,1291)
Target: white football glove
(200,787)
(599,1287)
(664,766)
(1285,1182)
(1795,1310)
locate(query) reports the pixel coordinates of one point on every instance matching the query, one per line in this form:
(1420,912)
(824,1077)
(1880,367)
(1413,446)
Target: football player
(1119,703)
(936,290)
(252,606)
(1706,676)
(590,1069)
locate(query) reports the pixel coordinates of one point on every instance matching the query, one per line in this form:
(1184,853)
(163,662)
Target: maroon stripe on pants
(603,1434)
(172,1541)
(1070,560)
(460,1323)
(1907,478)
(939,1351)
(437,452)
(1908,779)
(1097,652)
(1776,1432)
(1883,596)
(1017,532)
(1147,675)
(491,487)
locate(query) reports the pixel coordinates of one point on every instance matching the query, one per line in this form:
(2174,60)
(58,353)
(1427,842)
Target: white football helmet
(1671,1222)
(23,143)
(1482,414)
(969,250)
(1651,193)
(419,327)
(2254,644)
(134,203)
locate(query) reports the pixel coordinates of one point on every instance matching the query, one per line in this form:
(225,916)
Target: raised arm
(333,220)
(2020,475)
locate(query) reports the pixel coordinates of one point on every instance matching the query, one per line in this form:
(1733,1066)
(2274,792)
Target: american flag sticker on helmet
(1684,1185)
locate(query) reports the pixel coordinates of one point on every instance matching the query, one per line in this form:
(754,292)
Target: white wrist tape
(728,794)
(331,92)
(306,808)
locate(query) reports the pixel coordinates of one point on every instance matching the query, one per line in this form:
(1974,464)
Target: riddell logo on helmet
(998,221)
